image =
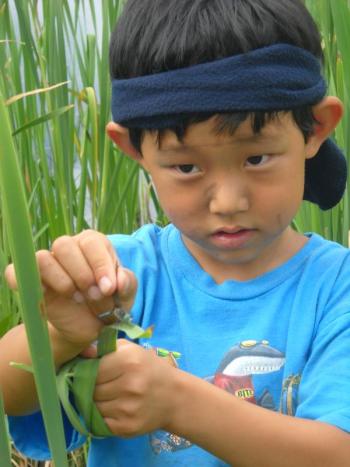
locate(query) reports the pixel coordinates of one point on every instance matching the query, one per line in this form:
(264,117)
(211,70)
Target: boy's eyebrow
(177,148)
(253,138)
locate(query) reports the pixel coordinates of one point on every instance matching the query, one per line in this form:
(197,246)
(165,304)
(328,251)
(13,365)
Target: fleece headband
(274,78)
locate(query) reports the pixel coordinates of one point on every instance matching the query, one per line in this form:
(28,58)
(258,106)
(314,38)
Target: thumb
(126,288)
(89,352)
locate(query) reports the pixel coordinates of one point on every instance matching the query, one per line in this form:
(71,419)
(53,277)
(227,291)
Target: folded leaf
(76,380)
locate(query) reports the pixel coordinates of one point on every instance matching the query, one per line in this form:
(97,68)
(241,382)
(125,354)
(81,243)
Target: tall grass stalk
(15,209)
(74,177)
(5,454)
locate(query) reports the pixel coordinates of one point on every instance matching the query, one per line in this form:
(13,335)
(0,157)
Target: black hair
(153,36)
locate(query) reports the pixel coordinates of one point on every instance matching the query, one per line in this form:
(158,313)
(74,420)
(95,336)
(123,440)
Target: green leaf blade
(15,211)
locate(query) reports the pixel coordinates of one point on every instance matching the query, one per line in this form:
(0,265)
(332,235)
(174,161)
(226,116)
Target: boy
(222,102)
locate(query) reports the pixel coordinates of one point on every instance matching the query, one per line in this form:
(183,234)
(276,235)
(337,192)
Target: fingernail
(78,297)
(105,285)
(94,293)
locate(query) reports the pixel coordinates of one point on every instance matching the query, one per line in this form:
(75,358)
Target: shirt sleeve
(29,437)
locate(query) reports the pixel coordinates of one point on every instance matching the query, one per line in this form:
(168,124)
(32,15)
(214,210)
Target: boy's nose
(228,198)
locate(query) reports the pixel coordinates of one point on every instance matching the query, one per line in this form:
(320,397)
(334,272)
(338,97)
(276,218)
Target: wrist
(62,348)
(181,402)
(195,404)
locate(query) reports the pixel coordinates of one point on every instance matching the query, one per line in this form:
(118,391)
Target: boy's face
(232,196)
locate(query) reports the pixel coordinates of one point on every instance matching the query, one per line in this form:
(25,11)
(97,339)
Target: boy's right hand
(81,276)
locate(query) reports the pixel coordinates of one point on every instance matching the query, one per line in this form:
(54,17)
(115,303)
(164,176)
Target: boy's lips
(231,237)
(230,230)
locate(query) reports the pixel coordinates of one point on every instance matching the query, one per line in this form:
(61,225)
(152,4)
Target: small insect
(116,315)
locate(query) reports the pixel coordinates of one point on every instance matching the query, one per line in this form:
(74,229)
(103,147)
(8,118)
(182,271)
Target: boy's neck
(278,252)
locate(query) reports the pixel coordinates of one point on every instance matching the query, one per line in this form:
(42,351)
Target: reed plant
(15,210)
(55,84)
(54,79)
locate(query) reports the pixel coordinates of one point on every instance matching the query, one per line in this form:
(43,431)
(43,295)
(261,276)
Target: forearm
(246,435)
(14,348)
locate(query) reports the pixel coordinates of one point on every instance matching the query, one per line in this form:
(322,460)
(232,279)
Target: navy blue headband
(271,78)
(274,78)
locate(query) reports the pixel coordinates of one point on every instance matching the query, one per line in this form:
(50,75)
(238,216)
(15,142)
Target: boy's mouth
(230,230)
(234,237)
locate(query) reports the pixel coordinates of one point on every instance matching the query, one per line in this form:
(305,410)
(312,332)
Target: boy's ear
(328,114)
(120,136)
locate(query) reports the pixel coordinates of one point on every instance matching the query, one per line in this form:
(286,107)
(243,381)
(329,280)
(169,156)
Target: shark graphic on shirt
(234,374)
(235,371)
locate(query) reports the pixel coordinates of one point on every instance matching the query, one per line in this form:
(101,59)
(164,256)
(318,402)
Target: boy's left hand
(134,390)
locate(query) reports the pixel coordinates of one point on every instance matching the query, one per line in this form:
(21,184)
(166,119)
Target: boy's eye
(187,168)
(257,160)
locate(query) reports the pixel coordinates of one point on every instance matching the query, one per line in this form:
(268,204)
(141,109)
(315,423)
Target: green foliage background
(74,177)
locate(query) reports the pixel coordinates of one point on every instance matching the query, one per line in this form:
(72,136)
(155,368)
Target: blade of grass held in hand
(107,341)
(79,376)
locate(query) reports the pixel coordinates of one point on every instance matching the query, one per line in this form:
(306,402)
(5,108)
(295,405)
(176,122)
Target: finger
(53,275)
(126,288)
(112,365)
(10,276)
(100,255)
(67,253)
(121,427)
(106,392)
(89,352)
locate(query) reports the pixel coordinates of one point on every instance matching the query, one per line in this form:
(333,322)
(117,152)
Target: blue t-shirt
(281,340)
